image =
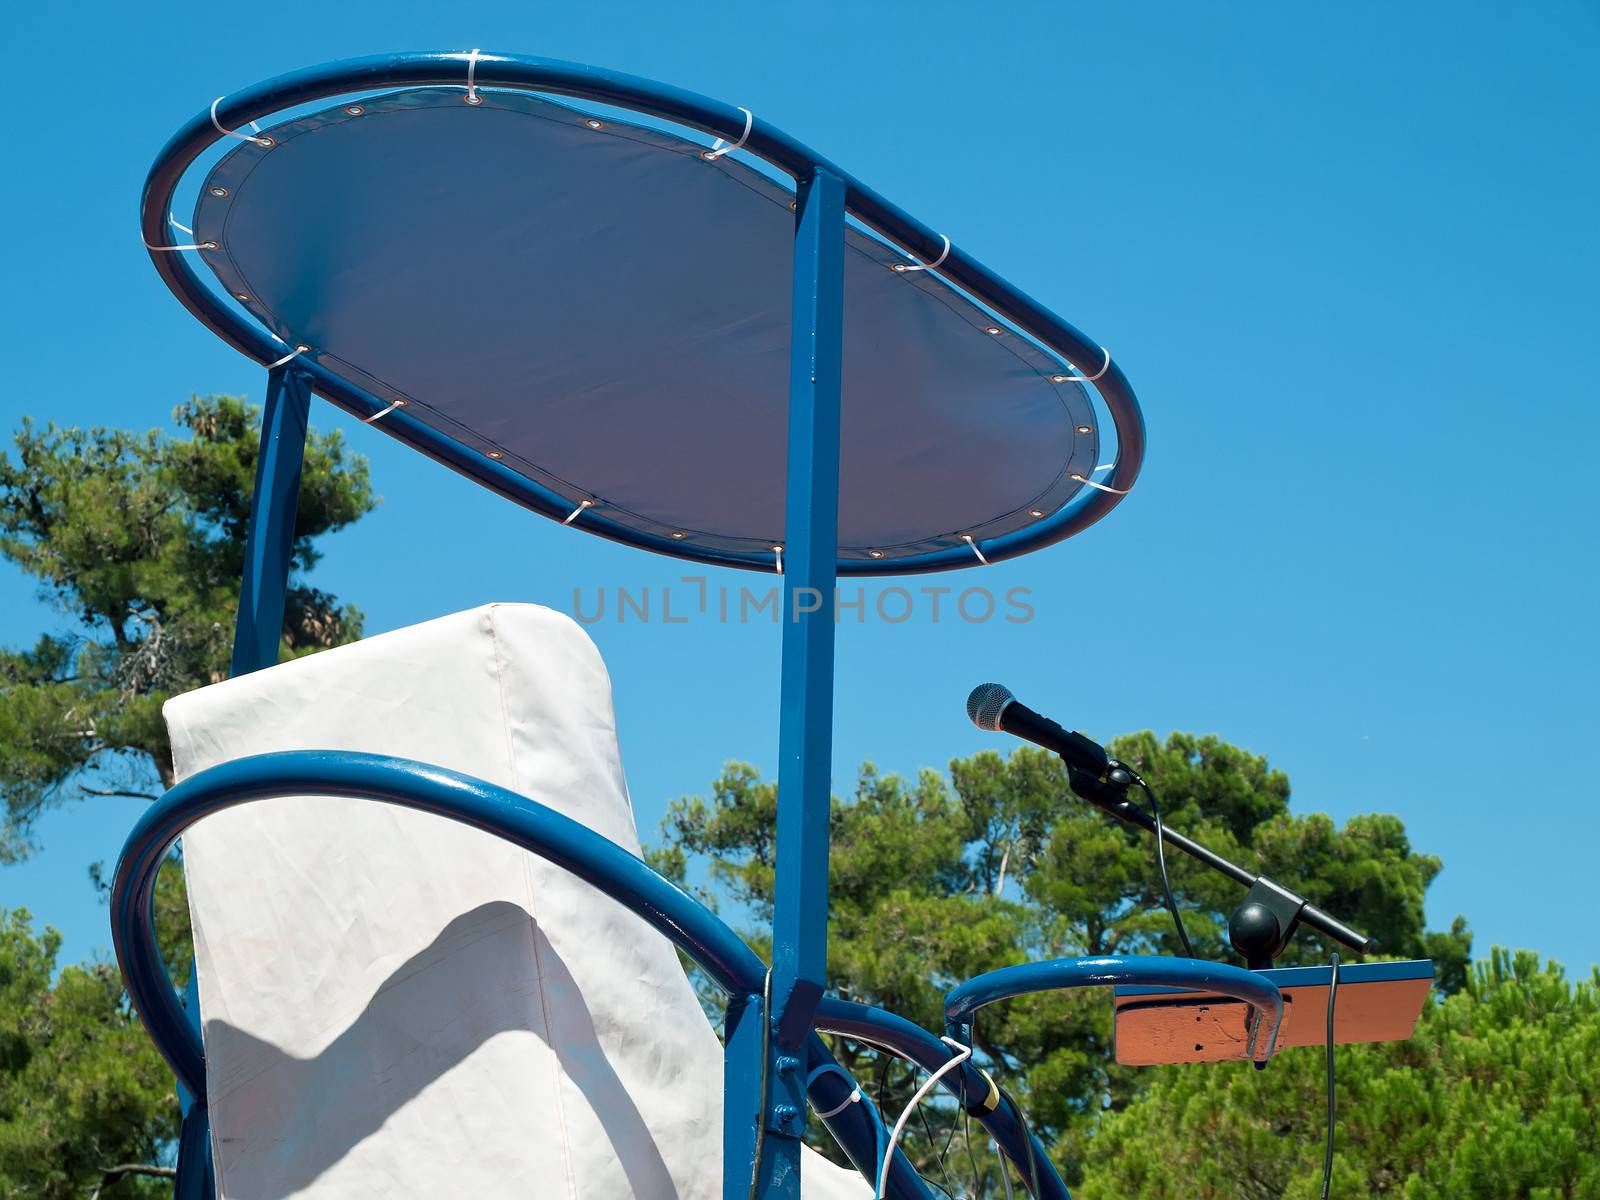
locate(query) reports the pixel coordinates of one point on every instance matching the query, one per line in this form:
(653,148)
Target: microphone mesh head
(986,703)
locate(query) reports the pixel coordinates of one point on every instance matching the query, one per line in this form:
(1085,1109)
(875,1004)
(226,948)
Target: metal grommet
(494,454)
(1085,428)
(595,123)
(473,98)
(678,537)
(265,142)
(241,298)
(874,553)
(1035,512)
(355,110)
(993,330)
(218,192)
(208,245)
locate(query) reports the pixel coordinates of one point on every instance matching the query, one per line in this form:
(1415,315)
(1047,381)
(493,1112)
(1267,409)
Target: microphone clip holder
(1267,917)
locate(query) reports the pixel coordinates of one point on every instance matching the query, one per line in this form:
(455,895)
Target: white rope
(903,268)
(177,224)
(778,551)
(963,1053)
(474,98)
(290,357)
(378,415)
(719,147)
(1104,367)
(573,515)
(967,538)
(243,137)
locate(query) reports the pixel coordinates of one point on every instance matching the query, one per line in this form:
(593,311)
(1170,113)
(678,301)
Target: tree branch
(89,791)
(111,1175)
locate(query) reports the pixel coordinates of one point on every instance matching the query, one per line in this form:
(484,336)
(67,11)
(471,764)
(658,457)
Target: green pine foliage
(86,1105)
(137,541)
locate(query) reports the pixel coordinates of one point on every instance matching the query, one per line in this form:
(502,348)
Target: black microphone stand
(1260,928)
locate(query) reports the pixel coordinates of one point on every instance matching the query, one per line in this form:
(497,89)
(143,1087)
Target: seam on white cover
(533,931)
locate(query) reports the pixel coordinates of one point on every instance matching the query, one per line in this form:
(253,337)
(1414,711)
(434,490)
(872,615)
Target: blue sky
(1346,255)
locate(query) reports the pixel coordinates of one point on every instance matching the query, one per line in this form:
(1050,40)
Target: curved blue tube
(534,827)
(685,108)
(559,839)
(1055,974)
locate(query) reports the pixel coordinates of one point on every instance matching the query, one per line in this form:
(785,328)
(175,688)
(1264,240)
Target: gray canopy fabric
(603,309)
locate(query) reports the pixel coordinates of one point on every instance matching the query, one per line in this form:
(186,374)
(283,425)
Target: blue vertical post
(269,546)
(805,734)
(270,541)
(810,560)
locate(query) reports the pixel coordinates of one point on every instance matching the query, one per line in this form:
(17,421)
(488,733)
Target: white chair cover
(395,1005)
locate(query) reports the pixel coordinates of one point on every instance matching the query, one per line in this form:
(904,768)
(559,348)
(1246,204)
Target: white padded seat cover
(395,1005)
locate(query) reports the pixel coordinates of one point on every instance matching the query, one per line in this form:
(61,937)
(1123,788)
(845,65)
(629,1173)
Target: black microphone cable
(1327,1152)
(1161,862)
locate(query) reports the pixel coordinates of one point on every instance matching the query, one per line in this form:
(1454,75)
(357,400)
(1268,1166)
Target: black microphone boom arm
(1284,906)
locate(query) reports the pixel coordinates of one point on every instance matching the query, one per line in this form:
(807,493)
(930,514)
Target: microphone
(991,706)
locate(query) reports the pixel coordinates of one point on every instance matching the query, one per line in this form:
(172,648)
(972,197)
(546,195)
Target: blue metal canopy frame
(359,76)
(775,1061)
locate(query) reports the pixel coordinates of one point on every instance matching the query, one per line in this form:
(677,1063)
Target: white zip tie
(190,246)
(474,98)
(778,551)
(967,538)
(1104,367)
(1084,479)
(378,415)
(290,357)
(903,268)
(243,137)
(844,1104)
(573,515)
(964,1053)
(719,147)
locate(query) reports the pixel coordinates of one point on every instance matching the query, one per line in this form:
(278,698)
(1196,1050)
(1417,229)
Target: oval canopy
(603,309)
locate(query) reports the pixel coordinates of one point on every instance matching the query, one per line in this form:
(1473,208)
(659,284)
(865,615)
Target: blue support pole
(805,737)
(269,546)
(270,542)
(810,555)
